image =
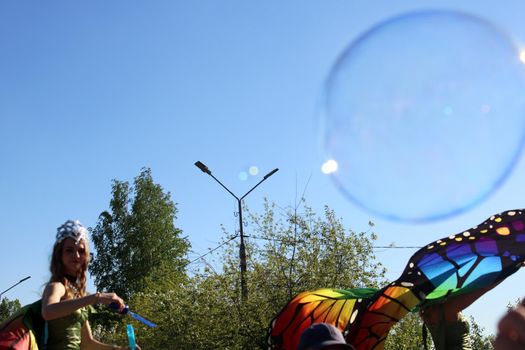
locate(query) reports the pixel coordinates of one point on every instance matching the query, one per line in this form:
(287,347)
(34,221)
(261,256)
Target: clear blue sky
(91,91)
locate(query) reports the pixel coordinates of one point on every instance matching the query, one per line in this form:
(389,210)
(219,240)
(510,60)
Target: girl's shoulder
(55,284)
(56,288)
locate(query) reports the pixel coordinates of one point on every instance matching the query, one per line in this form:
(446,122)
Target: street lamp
(242,248)
(14,285)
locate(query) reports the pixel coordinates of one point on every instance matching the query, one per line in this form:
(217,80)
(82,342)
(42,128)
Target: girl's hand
(108,298)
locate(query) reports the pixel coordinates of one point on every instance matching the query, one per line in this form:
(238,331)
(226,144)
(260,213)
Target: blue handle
(131,338)
(125,311)
(142,319)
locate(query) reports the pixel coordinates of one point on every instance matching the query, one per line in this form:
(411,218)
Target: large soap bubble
(425,115)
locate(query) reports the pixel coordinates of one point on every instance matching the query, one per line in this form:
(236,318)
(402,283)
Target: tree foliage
(407,334)
(479,340)
(138,246)
(8,307)
(139,250)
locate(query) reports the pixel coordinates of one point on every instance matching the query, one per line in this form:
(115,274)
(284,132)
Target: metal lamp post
(242,247)
(14,285)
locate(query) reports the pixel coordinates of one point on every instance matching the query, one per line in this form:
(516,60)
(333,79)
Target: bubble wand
(131,338)
(126,311)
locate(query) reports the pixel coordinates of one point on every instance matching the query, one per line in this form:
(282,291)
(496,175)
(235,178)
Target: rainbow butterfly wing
(24,330)
(387,307)
(471,260)
(334,306)
(19,339)
(466,262)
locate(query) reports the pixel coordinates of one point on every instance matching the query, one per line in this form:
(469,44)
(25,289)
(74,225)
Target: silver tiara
(71,229)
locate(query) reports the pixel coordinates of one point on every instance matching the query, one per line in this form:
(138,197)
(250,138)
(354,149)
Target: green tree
(8,307)
(407,334)
(138,247)
(139,251)
(479,340)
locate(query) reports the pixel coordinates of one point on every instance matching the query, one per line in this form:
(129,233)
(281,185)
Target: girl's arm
(90,343)
(53,307)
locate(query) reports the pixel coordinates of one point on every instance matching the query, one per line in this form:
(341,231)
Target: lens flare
(328,167)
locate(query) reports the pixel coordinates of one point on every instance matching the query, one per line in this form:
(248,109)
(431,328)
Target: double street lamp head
(206,170)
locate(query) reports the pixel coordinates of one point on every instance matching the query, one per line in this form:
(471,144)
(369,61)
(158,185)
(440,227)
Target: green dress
(65,333)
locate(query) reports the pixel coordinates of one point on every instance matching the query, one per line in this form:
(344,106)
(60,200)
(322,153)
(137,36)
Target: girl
(65,304)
